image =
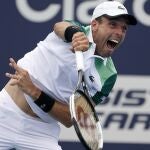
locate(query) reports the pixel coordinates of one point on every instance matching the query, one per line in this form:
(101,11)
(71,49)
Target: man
(37,96)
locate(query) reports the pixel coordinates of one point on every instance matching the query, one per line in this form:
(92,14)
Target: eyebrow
(117,18)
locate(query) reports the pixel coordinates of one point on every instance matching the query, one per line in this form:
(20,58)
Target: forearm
(59,111)
(60,27)
(54,108)
(72,33)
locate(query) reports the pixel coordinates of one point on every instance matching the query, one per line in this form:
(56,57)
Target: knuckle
(24,73)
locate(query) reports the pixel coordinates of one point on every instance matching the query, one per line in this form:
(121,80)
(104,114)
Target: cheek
(123,37)
(101,36)
(98,33)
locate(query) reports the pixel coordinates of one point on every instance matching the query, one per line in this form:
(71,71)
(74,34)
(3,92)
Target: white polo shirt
(52,68)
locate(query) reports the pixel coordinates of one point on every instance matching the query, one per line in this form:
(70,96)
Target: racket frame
(80,68)
(75,122)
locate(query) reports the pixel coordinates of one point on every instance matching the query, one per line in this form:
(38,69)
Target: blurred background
(125,115)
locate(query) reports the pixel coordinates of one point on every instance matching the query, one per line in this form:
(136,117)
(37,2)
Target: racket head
(85,121)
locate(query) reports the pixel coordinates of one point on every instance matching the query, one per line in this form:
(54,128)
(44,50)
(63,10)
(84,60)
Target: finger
(14,81)
(82,41)
(77,47)
(78,35)
(12,76)
(80,46)
(14,65)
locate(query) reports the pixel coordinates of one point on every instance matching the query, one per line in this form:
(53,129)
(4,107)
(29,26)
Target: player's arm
(74,33)
(60,27)
(56,109)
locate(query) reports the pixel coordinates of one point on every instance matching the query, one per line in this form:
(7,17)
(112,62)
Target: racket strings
(87,122)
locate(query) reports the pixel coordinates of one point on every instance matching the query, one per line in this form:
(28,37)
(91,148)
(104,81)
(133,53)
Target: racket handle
(79,60)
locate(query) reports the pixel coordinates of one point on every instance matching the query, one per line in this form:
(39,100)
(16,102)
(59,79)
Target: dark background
(19,35)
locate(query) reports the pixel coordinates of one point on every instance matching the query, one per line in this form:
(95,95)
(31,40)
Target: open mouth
(111,44)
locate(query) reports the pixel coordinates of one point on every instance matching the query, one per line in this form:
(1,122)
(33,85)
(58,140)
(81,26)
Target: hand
(80,42)
(22,79)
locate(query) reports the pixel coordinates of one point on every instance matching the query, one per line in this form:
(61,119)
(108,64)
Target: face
(108,34)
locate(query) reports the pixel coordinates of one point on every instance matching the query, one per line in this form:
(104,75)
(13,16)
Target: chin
(109,54)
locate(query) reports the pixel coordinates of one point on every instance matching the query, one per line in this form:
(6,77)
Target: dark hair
(99,19)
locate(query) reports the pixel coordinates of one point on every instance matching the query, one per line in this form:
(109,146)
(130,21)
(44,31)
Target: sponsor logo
(72,9)
(91,78)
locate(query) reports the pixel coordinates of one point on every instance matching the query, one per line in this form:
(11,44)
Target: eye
(112,24)
(125,28)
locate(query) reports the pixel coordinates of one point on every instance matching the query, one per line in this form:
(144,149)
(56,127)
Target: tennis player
(37,95)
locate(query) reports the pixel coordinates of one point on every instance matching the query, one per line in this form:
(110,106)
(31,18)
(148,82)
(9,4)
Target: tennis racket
(84,118)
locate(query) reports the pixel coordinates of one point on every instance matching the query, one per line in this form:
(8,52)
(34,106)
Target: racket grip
(79,60)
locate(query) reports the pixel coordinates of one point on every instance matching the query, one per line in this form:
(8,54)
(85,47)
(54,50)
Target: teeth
(115,41)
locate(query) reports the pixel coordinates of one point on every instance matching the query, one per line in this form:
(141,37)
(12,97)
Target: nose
(120,32)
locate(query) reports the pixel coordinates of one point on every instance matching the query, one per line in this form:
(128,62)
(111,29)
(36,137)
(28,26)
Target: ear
(94,25)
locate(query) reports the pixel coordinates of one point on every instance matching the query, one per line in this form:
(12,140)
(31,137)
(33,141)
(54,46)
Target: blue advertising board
(127,118)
